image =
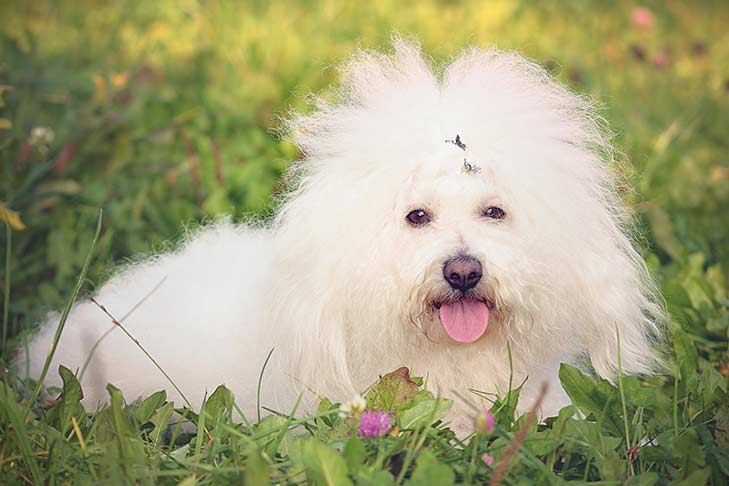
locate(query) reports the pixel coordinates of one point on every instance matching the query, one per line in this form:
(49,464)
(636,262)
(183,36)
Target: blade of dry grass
(103,336)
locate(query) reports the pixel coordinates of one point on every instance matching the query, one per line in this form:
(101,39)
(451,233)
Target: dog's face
(463,256)
(455,233)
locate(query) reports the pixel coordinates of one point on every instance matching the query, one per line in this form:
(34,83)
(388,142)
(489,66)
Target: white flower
(353,407)
(41,136)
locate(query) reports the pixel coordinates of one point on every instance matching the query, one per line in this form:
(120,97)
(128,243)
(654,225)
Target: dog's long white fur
(342,287)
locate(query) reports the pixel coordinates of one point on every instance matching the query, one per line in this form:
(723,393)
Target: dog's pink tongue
(464,320)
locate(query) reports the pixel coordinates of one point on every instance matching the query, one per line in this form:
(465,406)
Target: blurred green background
(164,114)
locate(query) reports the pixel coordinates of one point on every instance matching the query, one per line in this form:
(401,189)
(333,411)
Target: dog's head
(462,202)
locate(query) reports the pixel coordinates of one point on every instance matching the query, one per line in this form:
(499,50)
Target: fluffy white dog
(438,217)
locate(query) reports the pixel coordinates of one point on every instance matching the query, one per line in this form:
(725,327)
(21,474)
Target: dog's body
(434,223)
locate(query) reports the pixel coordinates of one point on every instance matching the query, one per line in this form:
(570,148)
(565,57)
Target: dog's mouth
(465,319)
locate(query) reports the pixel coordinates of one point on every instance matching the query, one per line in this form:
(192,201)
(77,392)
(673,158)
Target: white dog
(438,218)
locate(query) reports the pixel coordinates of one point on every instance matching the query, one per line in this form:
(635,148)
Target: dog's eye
(418,217)
(494,212)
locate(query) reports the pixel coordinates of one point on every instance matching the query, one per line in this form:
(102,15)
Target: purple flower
(489,460)
(484,423)
(374,423)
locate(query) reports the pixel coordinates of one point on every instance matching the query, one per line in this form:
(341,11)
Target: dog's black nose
(462,272)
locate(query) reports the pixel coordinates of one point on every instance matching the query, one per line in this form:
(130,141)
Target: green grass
(163,114)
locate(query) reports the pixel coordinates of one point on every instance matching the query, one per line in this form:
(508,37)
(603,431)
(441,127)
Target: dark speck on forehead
(458,142)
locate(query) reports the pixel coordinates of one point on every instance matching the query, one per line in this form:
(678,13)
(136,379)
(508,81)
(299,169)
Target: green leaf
(504,408)
(430,472)
(676,296)
(712,385)
(188,481)
(686,358)
(696,478)
(268,430)
(637,395)
(129,445)
(722,426)
(424,413)
(146,409)
(257,471)
(330,420)
(70,405)
(220,403)
(688,451)
(599,445)
(599,399)
(392,390)
(644,479)
(161,420)
(580,388)
(354,454)
(374,477)
(323,465)
(180,453)
(716,458)
(12,415)
(542,442)
(609,464)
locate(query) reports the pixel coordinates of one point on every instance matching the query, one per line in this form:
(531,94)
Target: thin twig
(518,439)
(108,331)
(139,345)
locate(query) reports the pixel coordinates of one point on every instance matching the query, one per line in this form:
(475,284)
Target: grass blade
(64,317)
(260,380)
(9,402)
(628,444)
(6,299)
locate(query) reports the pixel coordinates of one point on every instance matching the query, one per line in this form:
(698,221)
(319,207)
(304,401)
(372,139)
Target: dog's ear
(627,319)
